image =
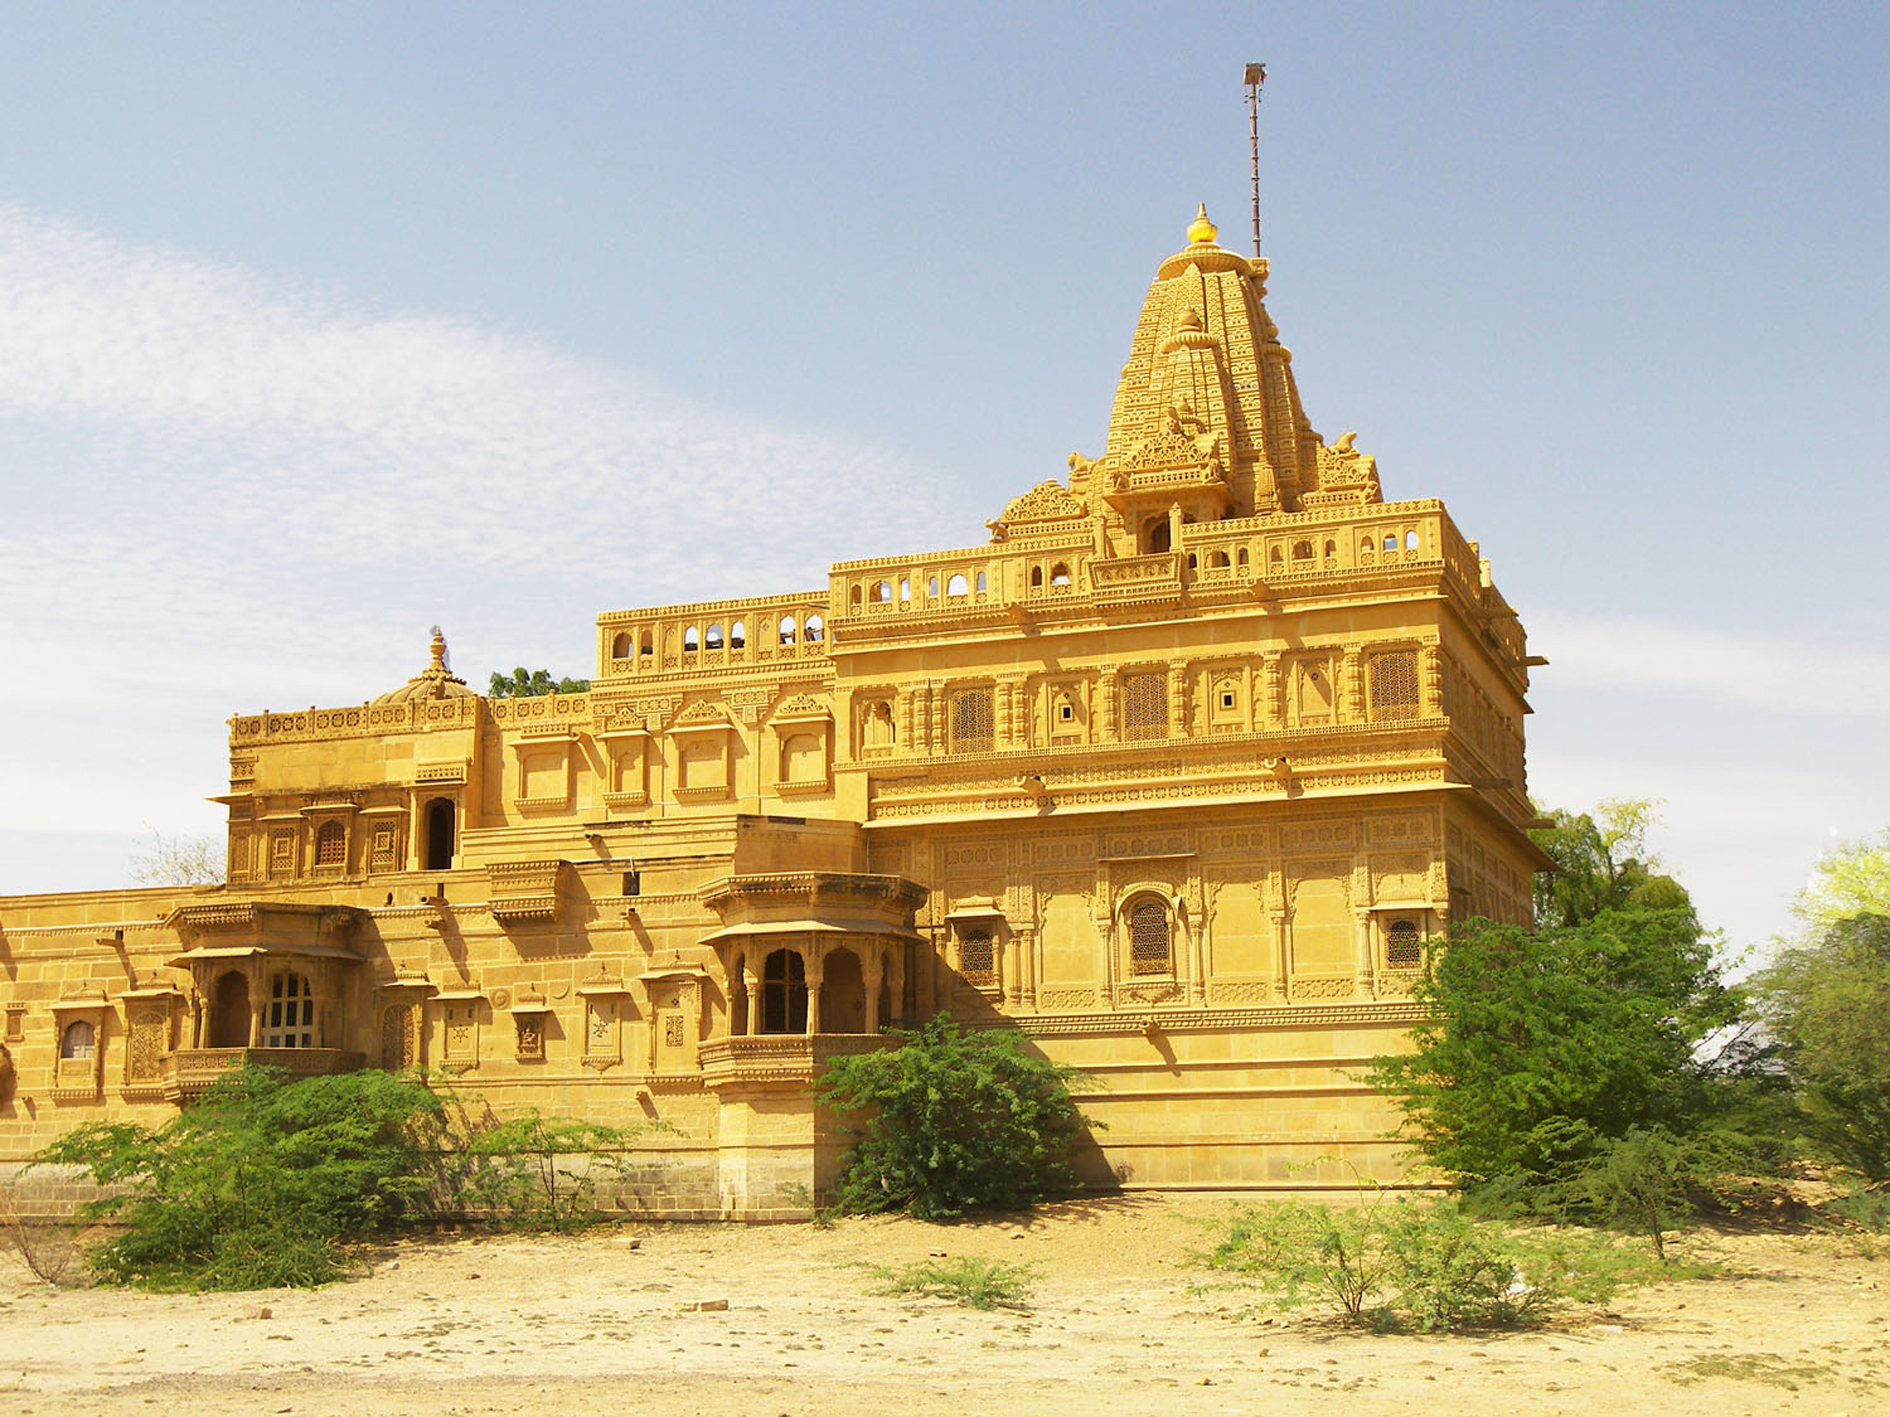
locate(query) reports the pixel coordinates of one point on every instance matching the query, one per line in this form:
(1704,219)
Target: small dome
(436,681)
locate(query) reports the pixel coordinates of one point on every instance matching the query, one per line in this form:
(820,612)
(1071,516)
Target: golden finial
(1201,231)
(438,652)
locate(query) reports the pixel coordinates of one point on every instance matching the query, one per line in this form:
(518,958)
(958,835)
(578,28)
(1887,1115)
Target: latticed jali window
(1145,706)
(385,857)
(977,958)
(290,1020)
(971,721)
(1395,686)
(1148,938)
(1402,947)
(331,844)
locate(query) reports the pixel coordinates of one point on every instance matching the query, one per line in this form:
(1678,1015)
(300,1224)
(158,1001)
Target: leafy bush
(254,1184)
(1541,1046)
(968,1282)
(952,1120)
(522,1169)
(1423,1265)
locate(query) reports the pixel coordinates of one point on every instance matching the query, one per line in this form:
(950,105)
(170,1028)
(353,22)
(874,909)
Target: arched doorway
(229,1011)
(440,824)
(842,994)
(784,993)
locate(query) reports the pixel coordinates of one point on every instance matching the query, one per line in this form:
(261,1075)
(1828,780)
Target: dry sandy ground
(1123,1320)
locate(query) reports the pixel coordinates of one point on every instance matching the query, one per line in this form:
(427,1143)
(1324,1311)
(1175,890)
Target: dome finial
(1201,231)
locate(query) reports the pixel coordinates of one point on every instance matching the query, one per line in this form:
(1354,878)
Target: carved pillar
(896,979)
(751,986)
(1282,953)
(1106,702)
(1026,945)
(1431,680)
(1179,699)
(1273,690)
(872,975)
(815,972)
(908,741)
(1001,711)
(1352,685)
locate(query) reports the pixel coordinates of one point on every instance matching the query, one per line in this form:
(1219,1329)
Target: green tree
(255,1184)
(1539,1046)
(952,1120)
(523,683)
(1602,863)
(1827,1003)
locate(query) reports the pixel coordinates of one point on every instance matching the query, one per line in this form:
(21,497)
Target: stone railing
(712,634)
(189,1071)
(781,1059)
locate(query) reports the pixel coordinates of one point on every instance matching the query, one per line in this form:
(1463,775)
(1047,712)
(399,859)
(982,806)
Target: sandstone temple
(1175,774)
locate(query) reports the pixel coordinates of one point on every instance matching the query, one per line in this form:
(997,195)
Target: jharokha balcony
(781,1059)
(188,1072)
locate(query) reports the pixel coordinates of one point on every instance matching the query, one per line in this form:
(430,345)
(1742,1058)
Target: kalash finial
(1201,231)
(437,649)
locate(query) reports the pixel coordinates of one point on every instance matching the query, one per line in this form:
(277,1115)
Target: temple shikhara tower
(1175,774)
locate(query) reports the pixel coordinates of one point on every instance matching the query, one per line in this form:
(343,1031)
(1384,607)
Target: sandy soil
(1122,1320)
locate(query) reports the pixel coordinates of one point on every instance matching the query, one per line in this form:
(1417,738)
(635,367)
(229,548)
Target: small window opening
(647,646)
(1066,712)
(1148,937)
(1227,698)
(931,586)
(714,637)
(883,592)
(691,640)
(1059,574)
(1402,945)
(1391,543)
(632,883)
(78,1040)
(816,629)
(289,1021)
(981,583)
(738,635)
(977,958)
(331,844)
(620,647)
(785,631)
(1036,577)
(1243,556)
(956,586)
(1410,541)
(1302,551)
(905,588)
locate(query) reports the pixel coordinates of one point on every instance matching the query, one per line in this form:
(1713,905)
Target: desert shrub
(1421,1265)
(951,1120)
(537,1172)
(49,1249)
(256,1183)
(1865,1209)
(969,1282)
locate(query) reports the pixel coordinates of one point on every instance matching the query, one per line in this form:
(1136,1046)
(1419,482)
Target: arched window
(783,993)
(905,588)
(713,640)
(738,636)
(1036,577)
(816,629)
(439,855)
(1391,542)
(1274,557)
(956,586)
(878,730)
(1218,559)
(1402,947)
(1157,533)
(1243,556)
(1302,551)
(646,646)
(856,597)
(1149,949)
(931,586)
(691,641)
(785,631)
(620,647)
(883,592)
(289,1020)
(1365,545)
(1410,541)
(1059,574)
(331,844)
(977,958)
(981,583)
(1332,548)
(78,1040)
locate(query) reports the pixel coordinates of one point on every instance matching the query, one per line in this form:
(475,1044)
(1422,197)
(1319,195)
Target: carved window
(971,721)
(1149,948)
(620,647)
(282,853)
(289,1019)
(977,958)
(386,852)
(397,1038)
(931,586)
(981,583)
(816,629)
(1036,577)
(1410,541)
(1145,706)
(1395,685)
(1302,551)
(738,636)
(1059,574)
(1402,947)
(691,641)
(713,640)
(79,1040)
(877,729)
(1391,542)
(783,993)
(331,844)
(956,586)
(883,592)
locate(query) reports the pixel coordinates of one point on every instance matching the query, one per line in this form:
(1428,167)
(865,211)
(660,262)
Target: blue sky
(320,324)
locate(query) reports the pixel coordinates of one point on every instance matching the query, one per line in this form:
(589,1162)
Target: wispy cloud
(1796,675)
(223,491)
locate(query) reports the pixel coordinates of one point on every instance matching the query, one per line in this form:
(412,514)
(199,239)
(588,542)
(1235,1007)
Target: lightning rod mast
(1256,76)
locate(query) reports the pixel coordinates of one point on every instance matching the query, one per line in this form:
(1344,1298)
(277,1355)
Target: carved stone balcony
(189,1071)
(781,1059)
